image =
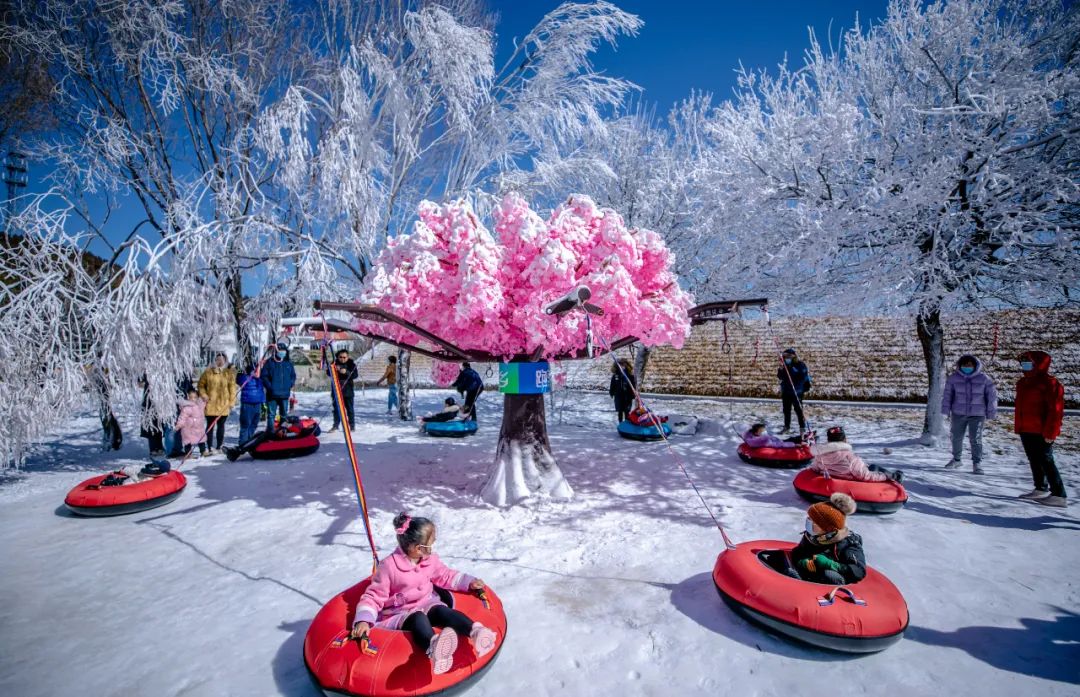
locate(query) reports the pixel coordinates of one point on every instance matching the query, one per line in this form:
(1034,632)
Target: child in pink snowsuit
(836,458)
(402,596)
(191,423)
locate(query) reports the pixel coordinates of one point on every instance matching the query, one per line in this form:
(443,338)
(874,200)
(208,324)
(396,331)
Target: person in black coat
(622,388)
(794,377)
(346,373)
(828,551)
(470,384)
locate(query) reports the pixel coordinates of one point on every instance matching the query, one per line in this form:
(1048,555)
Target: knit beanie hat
(831,515)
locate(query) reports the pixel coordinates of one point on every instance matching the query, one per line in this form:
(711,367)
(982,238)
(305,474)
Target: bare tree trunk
(524,465)
(404,380)
(641,362)
(932,338)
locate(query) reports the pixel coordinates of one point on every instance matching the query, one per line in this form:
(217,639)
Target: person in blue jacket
(252,397)
(470,384)
(794,379)
(278,377)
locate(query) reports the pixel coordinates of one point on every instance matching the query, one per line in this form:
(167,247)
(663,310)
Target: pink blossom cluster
(443,374)
(486,290)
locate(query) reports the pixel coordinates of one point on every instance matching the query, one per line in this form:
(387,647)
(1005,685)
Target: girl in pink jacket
(192,422)
(836,458)
(402,596)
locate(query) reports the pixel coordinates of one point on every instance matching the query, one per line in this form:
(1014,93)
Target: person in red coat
(1040,407)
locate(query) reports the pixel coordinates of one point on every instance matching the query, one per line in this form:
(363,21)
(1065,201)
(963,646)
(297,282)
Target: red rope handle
(347,428)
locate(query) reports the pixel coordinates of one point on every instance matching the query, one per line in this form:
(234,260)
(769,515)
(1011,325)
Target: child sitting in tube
(758,437)
(449,412)
(402,596)
(836,458)
(829,552)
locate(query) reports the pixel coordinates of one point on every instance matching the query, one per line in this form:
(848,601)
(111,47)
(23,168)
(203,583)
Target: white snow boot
(1054,501)
(483,639)
(441,651)
(1035,494)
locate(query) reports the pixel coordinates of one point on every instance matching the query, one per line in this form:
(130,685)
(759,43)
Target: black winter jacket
(848,552)
(622,391)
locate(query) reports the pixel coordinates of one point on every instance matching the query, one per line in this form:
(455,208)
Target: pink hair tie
(404,526)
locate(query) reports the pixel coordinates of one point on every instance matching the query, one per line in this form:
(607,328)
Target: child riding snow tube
(641,424)
(450,429)
(389,663)
(781,458)
(870,497)
(295,439)
(863,617)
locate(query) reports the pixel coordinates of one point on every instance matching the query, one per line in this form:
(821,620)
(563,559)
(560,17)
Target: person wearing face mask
(794,379)
(1040,407)
(970,399)
(278,377)
(829,552)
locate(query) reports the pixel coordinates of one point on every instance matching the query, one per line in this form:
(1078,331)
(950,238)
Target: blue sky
(694,44)
(684,45)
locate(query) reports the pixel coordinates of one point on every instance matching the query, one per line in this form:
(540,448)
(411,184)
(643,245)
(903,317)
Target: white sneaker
(952,465)
(1055,501)
(441,651)
(1034,494)
(483,639)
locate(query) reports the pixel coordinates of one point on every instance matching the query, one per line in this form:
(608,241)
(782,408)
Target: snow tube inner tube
(870,497)
(450,429)
(865,617)
(303,426)
(635,432)
(393,665)
(280,448)
(782,458)
(90,498)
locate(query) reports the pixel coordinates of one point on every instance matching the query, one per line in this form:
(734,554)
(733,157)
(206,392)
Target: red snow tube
(92,499)
(862,617)
(783,458)
(871,497)
(393,665)
(304,424)
(279,448)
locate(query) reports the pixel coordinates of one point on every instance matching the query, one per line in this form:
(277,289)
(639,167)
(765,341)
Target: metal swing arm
(723,310)
(449,352)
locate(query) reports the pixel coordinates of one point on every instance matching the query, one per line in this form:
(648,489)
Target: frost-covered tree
(266,151)
(484,292)
(930,166)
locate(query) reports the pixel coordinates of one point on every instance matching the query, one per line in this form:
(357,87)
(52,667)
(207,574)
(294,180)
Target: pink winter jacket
(766,440)
(840,461)
(192,422)
(400,588)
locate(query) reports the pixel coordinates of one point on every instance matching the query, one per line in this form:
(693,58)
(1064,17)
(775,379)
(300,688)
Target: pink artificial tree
(484,292)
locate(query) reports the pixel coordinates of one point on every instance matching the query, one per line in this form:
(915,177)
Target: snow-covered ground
(608,594)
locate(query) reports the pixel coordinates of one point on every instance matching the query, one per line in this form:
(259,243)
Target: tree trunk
(243,341)
(641,362)
(932,338)
(404,379)
(524,465)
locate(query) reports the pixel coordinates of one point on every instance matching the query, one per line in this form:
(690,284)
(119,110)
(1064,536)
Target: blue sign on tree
(524,378)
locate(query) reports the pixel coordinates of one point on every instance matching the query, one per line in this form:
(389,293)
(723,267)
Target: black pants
(219,431)
(440,417)
(421,625)
(1044,471)
(111,437)
(470,402)
(789,403)
(157,442)
(347,394)
(189,446)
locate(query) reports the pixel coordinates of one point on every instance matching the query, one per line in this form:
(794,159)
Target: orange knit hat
(831,515)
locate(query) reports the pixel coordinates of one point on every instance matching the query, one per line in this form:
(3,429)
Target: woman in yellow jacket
(217,385)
